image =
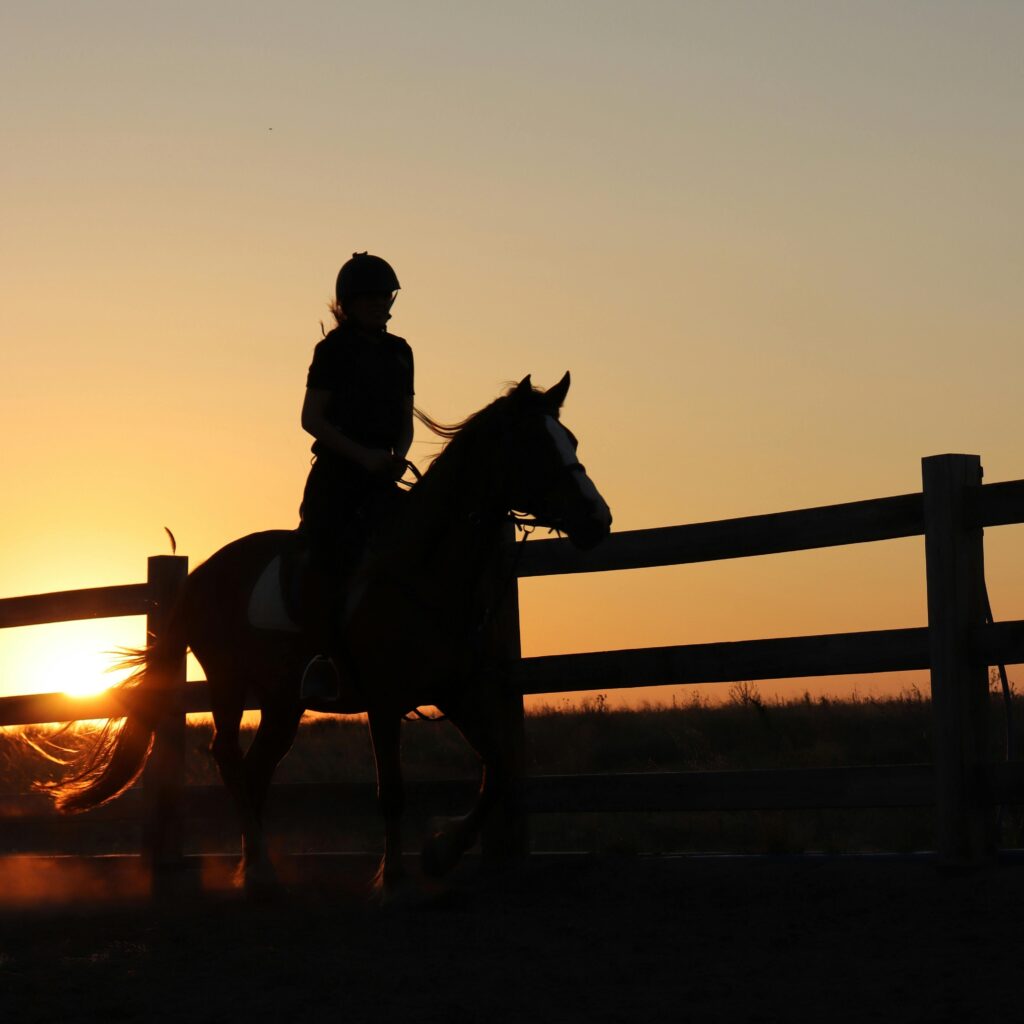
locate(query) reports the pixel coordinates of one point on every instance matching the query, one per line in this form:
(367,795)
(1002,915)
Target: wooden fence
(957,646)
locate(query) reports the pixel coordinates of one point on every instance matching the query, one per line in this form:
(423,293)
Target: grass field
(690,735)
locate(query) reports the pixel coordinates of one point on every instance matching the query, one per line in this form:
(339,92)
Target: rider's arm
(315,422)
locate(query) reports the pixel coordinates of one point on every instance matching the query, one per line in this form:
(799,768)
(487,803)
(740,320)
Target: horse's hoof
(395,890)
(440,853)
(399,896)
(259,882)
(263,891)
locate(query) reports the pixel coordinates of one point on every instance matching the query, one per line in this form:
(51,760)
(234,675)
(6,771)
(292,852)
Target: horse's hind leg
(278,724)
(385,731)
(227,706)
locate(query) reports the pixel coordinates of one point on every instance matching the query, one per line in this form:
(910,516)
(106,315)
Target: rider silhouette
(358,407)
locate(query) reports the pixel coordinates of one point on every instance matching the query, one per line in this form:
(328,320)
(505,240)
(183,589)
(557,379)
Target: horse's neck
(450,526)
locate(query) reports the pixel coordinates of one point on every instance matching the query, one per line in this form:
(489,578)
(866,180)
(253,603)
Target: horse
(412,632)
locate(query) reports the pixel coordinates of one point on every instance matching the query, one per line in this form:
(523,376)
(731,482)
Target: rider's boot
(321,680)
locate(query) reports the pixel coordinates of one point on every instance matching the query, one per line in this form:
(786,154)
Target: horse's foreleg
(481,728)
(385,731)
(452,837)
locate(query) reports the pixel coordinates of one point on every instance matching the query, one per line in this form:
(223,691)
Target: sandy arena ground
(579,939)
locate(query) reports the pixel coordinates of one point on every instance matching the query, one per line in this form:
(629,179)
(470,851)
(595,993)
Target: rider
(358,407)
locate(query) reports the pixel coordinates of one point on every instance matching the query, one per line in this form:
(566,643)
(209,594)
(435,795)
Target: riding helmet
(362,274)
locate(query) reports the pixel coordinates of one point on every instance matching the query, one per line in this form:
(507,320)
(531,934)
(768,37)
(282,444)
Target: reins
(407,484)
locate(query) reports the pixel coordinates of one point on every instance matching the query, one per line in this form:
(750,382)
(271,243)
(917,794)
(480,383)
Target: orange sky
(778,246)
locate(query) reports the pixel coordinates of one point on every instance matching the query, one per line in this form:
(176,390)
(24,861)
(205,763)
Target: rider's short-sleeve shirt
(370,380)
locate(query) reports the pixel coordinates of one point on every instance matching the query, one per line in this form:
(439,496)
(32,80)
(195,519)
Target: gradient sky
(778,244)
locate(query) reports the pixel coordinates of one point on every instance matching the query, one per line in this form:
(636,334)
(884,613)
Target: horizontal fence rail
(787,657)
(885,650)
(855,522)
(999,504)
(957,646)
(832,788)
(70,605)
(831,525)
(783,789)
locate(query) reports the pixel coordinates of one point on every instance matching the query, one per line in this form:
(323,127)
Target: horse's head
(543,473)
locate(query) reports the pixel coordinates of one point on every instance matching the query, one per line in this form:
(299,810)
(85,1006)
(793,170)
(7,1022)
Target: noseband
(528,523)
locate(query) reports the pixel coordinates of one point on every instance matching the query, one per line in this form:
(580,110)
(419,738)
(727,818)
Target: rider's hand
(398,467)
(380,463)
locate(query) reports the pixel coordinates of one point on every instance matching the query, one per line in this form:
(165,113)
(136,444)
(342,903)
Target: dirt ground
(571,939)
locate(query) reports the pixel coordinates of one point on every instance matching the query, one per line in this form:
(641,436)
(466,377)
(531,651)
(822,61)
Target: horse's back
(217,591)
(237,564)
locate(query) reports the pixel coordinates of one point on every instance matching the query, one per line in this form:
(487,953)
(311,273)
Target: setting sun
(76,658)
(78,675)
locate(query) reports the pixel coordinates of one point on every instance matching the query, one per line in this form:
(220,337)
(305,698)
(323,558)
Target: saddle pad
(266,603)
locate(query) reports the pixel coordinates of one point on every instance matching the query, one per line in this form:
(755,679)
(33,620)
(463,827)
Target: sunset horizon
(774,251)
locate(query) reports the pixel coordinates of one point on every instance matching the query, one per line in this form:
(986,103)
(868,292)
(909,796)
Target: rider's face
(371,309)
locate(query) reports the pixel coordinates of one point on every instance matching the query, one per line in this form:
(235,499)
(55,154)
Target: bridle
(527,522)
(524,522)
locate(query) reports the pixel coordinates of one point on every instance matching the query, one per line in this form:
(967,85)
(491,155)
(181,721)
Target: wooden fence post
(955,566)
(505,835)
(164,778)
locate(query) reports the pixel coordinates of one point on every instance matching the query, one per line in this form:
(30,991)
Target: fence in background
(957,646)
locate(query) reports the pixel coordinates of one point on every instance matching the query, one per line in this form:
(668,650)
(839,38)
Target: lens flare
(73,658)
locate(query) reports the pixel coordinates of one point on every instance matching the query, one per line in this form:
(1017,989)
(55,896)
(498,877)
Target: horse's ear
(555,396)
(524,388)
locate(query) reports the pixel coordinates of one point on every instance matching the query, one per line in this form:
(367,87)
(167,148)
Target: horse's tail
(116,755)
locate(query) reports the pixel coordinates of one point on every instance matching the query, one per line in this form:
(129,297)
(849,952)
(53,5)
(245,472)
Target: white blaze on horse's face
(601,513)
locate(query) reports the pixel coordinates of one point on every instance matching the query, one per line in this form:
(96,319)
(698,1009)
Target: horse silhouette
(413,632)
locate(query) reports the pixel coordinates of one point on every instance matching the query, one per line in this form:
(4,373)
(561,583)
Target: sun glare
(72,658)
(76,673)
(79,676)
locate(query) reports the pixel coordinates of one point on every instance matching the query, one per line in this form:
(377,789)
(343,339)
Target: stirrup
(321,681)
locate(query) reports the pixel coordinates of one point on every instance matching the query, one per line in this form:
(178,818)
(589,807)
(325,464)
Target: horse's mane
(464,432)
(447,431)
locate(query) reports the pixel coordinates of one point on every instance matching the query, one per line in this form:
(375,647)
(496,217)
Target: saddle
(277,598)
